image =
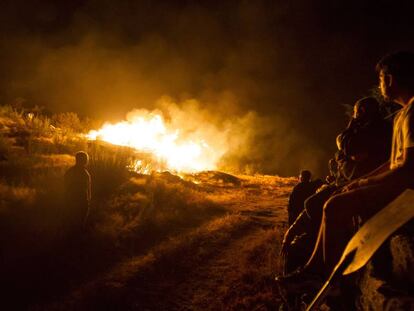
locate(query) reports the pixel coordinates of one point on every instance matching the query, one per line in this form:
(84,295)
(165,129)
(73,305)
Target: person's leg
(303,233)
(314,209)
(337,226)
(337,222)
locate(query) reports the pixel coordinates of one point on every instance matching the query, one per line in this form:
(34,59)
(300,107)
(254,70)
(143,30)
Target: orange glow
(148,132)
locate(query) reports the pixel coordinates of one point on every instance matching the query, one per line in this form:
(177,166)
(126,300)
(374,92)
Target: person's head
(305,176)
(366,108)
(396,76)
(81,158)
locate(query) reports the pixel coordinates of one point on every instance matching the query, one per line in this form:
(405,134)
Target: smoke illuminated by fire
(178,148)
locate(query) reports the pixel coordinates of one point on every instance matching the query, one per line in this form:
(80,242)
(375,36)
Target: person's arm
(402,175)
(292,231)
(89,188)
(357,182)
(290,208)
(379,170)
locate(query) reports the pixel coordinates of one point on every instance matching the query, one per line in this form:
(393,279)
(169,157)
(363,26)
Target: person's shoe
(299,281)
(291,275)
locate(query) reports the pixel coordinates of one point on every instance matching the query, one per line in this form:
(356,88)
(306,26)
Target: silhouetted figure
(362,147)
(78,191)
(303,190)
(367,195)
(365,144)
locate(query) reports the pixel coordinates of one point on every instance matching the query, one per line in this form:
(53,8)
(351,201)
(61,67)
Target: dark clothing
(305,229)
(300,193)
(77,194)
(337,225)
(363,148)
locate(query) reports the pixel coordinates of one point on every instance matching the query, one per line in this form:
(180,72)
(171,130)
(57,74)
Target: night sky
(295,63)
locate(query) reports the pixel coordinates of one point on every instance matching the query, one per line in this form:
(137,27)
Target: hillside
(204,241)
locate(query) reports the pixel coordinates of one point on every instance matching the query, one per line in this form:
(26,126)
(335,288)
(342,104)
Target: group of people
(373,165)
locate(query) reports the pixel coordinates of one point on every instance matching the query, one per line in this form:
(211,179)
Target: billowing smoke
(269,75)
(187,137)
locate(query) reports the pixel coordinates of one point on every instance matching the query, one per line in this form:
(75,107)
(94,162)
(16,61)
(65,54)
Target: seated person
(365,144)
(303,190)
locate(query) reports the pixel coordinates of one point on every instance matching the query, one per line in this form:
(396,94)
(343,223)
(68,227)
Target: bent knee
(342,206)
(335,205)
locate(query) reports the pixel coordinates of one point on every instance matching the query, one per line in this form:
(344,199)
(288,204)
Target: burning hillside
(149,132)
(181,137)
(146,230)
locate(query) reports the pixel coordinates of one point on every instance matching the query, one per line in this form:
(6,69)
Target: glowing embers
(148,132)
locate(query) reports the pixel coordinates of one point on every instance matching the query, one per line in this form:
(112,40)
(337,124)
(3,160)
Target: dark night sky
(296,63)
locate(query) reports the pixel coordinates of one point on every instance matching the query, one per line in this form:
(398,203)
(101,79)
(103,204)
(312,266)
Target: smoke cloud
(272,75)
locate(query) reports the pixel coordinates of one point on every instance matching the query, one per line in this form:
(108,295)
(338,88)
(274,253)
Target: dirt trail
(239,273)
(209,287)
(219,283)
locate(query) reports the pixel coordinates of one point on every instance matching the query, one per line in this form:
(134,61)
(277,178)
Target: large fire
(148,132)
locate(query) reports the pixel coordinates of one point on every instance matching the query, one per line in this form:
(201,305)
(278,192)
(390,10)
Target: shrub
(108,166)
(67,122)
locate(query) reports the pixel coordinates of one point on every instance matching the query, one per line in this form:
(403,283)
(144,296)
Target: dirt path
(213,286)
(239,275)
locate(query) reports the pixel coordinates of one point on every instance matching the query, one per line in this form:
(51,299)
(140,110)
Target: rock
(387,282)
(370,298)
(402,252)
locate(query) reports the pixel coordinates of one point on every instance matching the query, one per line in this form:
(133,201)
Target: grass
(253,288)
(165,263)
(130,212)
(147,208)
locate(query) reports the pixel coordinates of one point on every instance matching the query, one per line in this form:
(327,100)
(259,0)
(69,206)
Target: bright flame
(148,132)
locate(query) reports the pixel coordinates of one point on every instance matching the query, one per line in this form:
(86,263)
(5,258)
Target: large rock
(387,283)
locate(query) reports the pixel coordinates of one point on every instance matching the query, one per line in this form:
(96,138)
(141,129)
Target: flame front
(149,133)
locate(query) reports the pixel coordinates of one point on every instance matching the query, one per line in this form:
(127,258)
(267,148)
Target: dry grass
(147,208)
(251,287)
(140,280)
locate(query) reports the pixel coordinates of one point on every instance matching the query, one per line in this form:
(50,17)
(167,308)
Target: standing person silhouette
(78,192)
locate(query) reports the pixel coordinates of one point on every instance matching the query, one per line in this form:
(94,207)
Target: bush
(108,167)
(68,122)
